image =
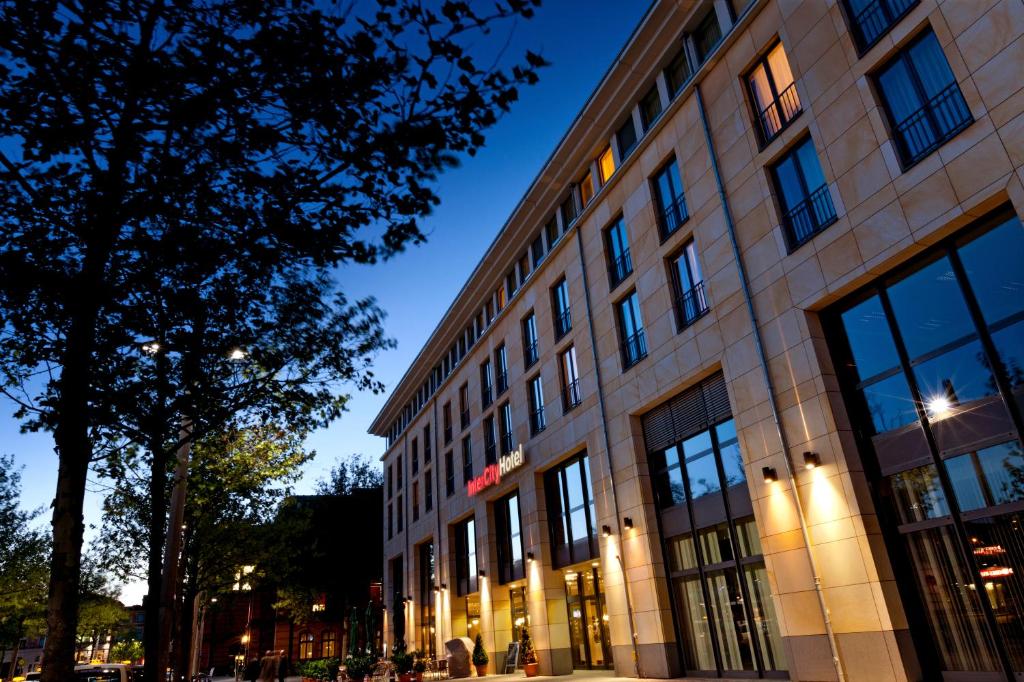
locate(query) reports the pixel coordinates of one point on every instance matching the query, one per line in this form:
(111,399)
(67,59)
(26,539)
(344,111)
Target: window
(428,491)
(569,210)
(650,108)
(606,165)
(631,327)
(449,473)
(560,308)
(500,299)
(486,385)
(464,405)
(426,621)
(467,460)
(510,539)
(707,35)
(669,202)
(305,646)
(490,441)
(537,421)
(773,93)
(872,19)
(465,557)
(389,482)
(586,186)
(415,500)
(426,444)
(617,246)
(688,285)
(505,413)
(627,138)
(551,231)
(804,197)
(501,365)
(400,511)
(677,73)
(572,518)
(530,351)
(524,269)
(399,470)
(446,419)
(537,251)
(922,99)
(391,521)
(511,283)
(415,456)
(570,379)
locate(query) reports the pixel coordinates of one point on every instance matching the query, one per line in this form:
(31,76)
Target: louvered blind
(688,413)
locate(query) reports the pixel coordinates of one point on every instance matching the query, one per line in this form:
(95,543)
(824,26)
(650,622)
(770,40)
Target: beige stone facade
(887,211)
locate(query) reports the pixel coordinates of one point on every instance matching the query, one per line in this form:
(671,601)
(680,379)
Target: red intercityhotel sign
(493,472)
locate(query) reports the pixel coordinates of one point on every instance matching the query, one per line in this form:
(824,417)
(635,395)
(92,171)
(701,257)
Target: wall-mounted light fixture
(482,574)
(436,588)
(529,557)
(627,521)
(606,531)
(444,586)
(769,474)
(408,597)
(811,460)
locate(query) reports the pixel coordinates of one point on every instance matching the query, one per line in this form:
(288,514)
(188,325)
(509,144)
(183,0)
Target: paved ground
(582,675)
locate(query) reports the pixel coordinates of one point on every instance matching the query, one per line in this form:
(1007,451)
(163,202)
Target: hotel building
(737,389)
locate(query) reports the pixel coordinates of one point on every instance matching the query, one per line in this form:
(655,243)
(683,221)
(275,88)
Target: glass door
(588,622)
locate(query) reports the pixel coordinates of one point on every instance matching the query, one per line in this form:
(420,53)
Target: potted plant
(480,657)
(419,665)
(527,654)
(403,662)
(358,667)
(320,670)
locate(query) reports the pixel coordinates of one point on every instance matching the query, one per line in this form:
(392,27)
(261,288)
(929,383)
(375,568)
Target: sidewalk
(583,675)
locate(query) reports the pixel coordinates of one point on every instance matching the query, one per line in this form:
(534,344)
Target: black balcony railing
(530,355)
(634,349)
(464,418)
(502,382)
(563,323)
(537,421)
(809,217)
(929,127)
(673,216)
(571,396)
(779,113)
(506,443)
(620,268)
(876,18)
(692,305)
(486,396)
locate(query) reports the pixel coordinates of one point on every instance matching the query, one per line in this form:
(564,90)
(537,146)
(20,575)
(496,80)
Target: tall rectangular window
(800,187)
(390,490)
(650,108)
(669,203)
(570,379)
(872,19)
(620,266)
(626,138)
(569,211)
(551,232)
(677,73)
(415,456)
(688,285)
(449,473)
(537,420)
(586,185)
(631,328)
(707,35)
(537,251)
(400,509)
(464,405)
(572,519)
(467,460)
(490,441)
(428,491)
(391,521)
(560,308)
(426,444)
(510,539)
(773,93)
(415,500)
(446,419)
(501,369)
(511,283)
(399,470)
(530,351)
(465,557)
(486,384)
(921,97)
(505,415)
(606,165)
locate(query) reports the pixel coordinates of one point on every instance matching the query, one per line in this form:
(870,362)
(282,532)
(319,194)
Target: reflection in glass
(746,534)
(918,495)
(959,375)
(871,343)
(995,268)
(732,458)
(668,477)
(766,623)
(697,648)
(930,309)
(964,477)
(701,469)
(716,544)
(730,621)
(1003,467)
(998,548)
(1009,343)
(889,403)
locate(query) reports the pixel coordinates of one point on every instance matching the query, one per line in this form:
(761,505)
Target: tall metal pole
(172,548)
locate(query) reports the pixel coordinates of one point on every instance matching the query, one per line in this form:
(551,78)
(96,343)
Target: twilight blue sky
(580,38)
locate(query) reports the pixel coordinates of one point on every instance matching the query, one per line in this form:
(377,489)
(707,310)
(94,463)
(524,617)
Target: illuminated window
(774,95)
(586,189)
(327,644)
(606,162)
(305,646)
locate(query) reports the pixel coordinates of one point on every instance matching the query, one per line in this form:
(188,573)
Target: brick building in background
(737,388)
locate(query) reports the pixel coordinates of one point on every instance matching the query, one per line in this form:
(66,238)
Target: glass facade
(428,577)
(466,578)
(929,365)
(508,525)
(572,518)
(588,622)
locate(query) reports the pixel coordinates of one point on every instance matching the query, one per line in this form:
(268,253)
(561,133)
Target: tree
(162,144)
(355,472)
(126,650)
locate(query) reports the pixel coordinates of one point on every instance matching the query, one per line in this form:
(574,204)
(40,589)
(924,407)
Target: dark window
(570,379)
(399,470)
(773,93)
(464,405)
(400,509)
(688,284)
(428,583)
(511,283)
(465,557)
(536,392)
(569,210)
(537,251)
(389,482)
(510,539)
(922,99)
(626,137)
(446,418)
(426,444)
(620,266)
(391,521)
(803,195)
(530,352)
(486,384)
(501,367)
(415,500)
(677,73)
(669,202)
(872,19)
(571,515)
(449,473)
(505,415)
(551,232)
(415,456)
(650,108)
(467,460)
(631,328)
(428,491)
(490,441)
(707,35)
(560,308)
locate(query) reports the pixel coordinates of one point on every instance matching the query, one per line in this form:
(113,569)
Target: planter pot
(531,669)
(481,670)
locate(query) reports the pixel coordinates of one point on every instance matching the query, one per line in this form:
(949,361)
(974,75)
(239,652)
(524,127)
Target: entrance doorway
(588,622)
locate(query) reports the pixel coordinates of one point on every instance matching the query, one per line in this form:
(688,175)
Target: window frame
(619,267)
(639,333)
(535,393)
(763,136)
(791,153)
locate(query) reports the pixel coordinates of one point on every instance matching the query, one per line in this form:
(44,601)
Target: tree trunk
(158,436)
(170,587)
(14,660)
